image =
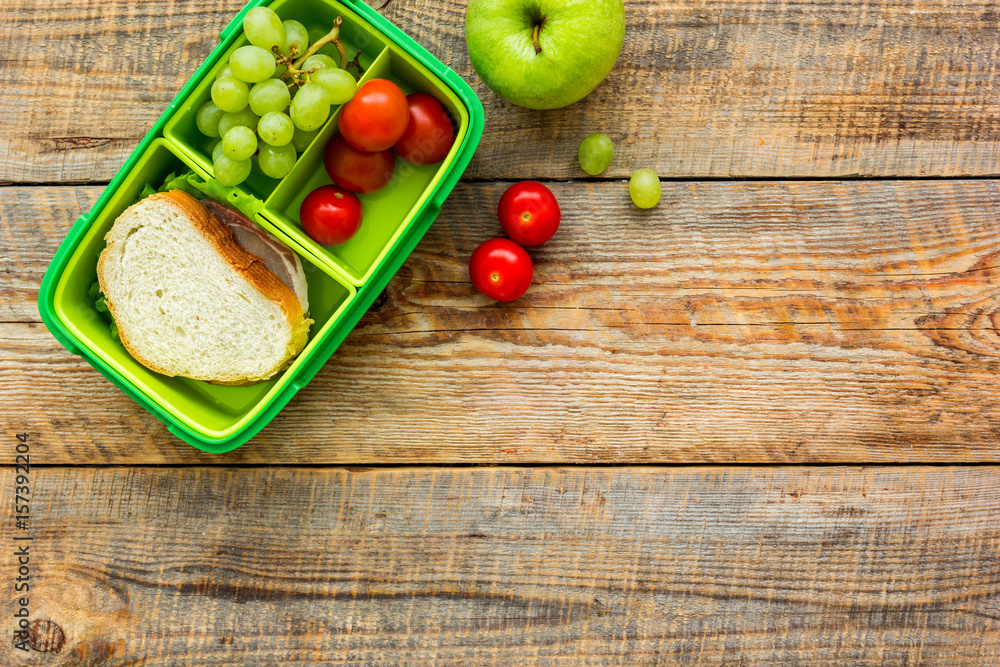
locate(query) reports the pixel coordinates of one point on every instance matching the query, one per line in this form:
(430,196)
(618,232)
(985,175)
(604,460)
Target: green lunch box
(343,280)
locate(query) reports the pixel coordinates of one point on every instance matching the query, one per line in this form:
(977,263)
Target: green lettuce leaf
(192,184)
(246,204)
(146,191)
(101,306)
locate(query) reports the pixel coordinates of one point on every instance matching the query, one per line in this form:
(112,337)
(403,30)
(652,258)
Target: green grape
(252,63)
(276,161)
(207,119)
(279,70)
(239,143)
(230,94)
(596,152)
(270,95)
(216,148)
(310,107)
(263,28)
(295,35)
(340,84)
(319,60)
(229,171)
(244,117)
(275,128)
(301,139)
(225,71)
(644,188)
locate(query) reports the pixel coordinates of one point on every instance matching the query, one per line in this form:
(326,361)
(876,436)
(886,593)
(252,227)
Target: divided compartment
(214,412)
(317,16)
(386,213)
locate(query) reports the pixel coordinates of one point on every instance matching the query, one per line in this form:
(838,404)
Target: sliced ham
(276,255)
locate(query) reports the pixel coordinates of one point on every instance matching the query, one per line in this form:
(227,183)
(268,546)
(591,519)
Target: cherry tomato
(330,215)
(376,117)
(357,171)
(429,134)
(529,213)
(500,269)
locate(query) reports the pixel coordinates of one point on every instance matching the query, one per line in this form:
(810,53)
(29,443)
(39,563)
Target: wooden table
(756,425)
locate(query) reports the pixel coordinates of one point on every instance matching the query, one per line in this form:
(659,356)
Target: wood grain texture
(776,567)
(33,222)
(736,322)
(85,81)
(715,88)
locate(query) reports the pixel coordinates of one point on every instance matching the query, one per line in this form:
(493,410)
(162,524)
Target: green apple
(544,54)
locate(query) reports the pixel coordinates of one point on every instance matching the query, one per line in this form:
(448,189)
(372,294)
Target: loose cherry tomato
(376,117)
(500,269)
(357,171)
(330,215)
(429,134)
(529,213)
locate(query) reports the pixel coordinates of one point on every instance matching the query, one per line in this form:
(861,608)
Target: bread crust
(250,267)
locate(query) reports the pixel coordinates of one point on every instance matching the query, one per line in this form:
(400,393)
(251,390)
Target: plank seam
(362,467)
(622,179)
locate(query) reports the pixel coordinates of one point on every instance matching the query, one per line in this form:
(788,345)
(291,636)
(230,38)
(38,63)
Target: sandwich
(197,290)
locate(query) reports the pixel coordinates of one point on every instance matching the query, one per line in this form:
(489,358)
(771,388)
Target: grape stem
(331,36)
(296,76)
(357,63)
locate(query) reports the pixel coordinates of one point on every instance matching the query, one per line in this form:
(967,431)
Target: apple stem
(534,38)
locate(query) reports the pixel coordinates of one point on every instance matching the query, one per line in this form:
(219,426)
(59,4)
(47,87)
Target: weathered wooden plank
(33,222)
(751,322)
(836,322)
(718,88)
(84,81)
(776,567)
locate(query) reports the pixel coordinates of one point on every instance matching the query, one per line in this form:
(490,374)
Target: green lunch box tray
(343,280)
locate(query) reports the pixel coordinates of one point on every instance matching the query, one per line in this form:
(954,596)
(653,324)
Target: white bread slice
(188,300)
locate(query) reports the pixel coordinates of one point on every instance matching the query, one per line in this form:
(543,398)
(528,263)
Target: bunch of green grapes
(272,98)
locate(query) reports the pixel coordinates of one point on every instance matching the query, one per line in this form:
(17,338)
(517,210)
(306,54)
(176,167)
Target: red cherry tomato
(529,213)
(357,171)
(500,269)
(376,117)
(330,215)
(429,134)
